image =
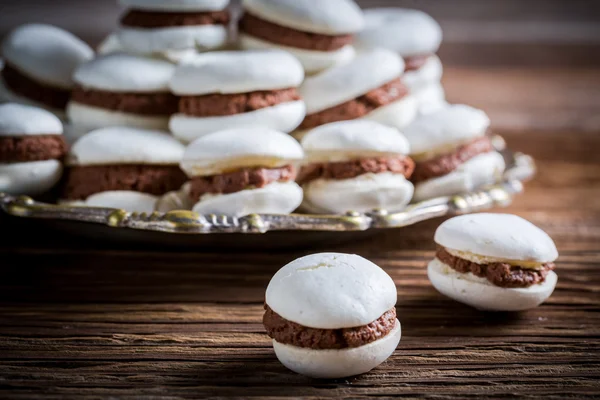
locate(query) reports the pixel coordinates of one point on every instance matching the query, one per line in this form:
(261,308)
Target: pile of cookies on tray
(312,105)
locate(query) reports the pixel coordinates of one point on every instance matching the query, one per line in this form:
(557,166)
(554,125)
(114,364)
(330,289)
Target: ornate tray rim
(521,168)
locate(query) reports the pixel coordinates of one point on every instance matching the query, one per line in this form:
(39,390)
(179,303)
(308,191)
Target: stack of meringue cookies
(324,107)
(313,105)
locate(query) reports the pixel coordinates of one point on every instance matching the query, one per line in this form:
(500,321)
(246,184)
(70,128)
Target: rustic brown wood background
(81,319)
(476,32)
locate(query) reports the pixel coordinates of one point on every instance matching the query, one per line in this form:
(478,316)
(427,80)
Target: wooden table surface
(97,321)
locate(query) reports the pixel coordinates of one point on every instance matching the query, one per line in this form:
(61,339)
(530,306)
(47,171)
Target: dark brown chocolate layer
(27,87)
(32,148)
(285,36)
(156,19)
(81,182)
(500,274)
(212,105)
(358,107)
(153,104)
(350,169)
(446,163)
(294,334)
(415,62)
(241,179)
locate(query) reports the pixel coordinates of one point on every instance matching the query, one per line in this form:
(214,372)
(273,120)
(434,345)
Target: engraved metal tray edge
(521,168)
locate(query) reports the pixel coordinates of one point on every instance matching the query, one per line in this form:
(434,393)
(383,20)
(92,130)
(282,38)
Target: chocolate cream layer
(152,104)
(350,169)
(444,164)
(358,107)
(274,33)
(213,105)
(156,19)
(240,179)
(500,274)
(288,332)
(23,85)
(32,148)
(81,182)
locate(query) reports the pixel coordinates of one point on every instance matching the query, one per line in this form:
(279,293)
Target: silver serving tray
(191,229)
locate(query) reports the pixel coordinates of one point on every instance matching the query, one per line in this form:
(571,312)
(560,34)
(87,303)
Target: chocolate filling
(358,107)
(241,179)
(25,86)
(415,62)
(212,105)
(154,104)
(81,182)
(155,19)
(446,163)
(32,148)
(350,169)
(500,274)
(285,36)
(288,332)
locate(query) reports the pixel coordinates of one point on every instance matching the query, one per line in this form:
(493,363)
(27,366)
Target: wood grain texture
(90,320)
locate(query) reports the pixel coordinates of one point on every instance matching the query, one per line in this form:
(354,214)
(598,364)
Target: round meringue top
(22,120)
(227,150)
(337,85)
(176,5)
(500,236)
(46,53)
(405,31)
(349,139)
(119,72)
(445,126)
(331,291)
(327,17)
(237,72)
(120,145)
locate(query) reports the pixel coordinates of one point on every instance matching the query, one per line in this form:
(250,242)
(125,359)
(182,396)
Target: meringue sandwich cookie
(31,149)
(332,315)
(111,44)
(452,152)
(124,168)
(122,90)
(243,171)
(319,33)
(355,166)
(497,262)
(426,73)
(39,63)
(370,86)
(234,89)
(155,27)
(430,98)
(412,34)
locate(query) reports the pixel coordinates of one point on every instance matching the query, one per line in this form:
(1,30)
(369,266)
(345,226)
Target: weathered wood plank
(526,99)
